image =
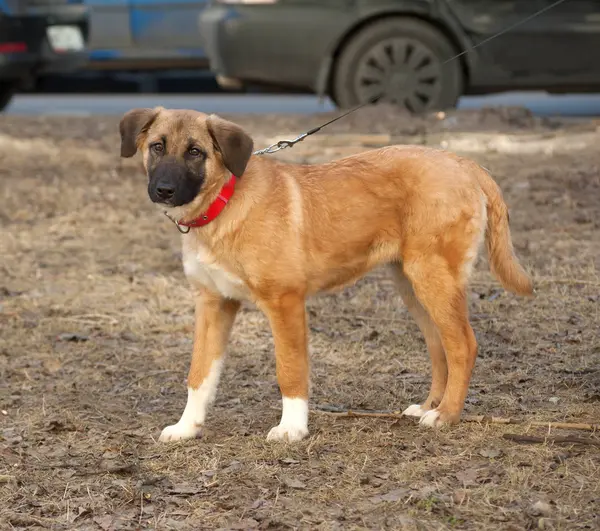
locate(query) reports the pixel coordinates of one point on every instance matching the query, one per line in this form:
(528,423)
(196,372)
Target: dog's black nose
(165,191)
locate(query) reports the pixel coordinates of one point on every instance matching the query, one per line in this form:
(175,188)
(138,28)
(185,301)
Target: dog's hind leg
(441,292)
(214,319)
(439,368)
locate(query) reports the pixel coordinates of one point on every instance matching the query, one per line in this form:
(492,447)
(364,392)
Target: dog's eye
(194,152)
(157,148)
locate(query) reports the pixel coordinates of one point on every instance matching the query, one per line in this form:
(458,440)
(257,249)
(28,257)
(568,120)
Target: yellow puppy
(274,233)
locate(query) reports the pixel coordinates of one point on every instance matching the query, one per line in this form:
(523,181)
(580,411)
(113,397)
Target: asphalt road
(83,105)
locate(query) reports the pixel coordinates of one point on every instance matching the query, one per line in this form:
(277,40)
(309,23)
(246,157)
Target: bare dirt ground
(96,325)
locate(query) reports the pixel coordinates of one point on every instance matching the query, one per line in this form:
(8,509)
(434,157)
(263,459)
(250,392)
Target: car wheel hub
(399,82)
(401,71)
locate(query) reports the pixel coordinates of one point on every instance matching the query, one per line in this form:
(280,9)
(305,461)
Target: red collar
(215,208)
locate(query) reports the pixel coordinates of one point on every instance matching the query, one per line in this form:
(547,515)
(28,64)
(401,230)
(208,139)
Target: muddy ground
(96,326)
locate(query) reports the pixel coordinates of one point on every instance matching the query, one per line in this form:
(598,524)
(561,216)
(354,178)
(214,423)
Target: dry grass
(96,325)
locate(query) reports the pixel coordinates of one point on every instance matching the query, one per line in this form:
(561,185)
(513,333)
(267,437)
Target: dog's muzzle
(172,184)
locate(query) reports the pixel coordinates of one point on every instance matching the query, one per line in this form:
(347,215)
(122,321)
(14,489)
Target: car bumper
(263,44)
(64,62)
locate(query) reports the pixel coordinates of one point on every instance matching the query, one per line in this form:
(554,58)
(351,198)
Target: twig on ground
(148,375)
(358,317)
(88,318)
(530,439)
(22,519)
(481,419)
(568,281)
(537,281)
(584,426)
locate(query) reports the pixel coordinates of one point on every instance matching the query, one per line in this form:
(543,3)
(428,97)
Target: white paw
(287,433)
(431,418)
(414,411)
(179,432)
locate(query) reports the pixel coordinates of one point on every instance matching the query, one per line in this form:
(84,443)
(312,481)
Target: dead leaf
(258,504)
(10,436)
(6,292)
(392,496)
(491,453)
(171,523)
(135,433)
(186,489)
(460,496)
(104,522)
(55,425)
(71,337)
(293,483)
(468,477)
(110,454)
(148,509)
(425,492)
(289,461)
(117,468)
(554,399)
(234,466)
(402,522)
(128,336)
(52,365)
(540,508)
(81,511)
(247,523)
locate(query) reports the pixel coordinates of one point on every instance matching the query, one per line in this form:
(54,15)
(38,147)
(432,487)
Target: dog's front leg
(287,316)
(214,320)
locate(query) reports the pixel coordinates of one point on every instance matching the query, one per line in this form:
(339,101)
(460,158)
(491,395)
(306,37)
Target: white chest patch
(200,267)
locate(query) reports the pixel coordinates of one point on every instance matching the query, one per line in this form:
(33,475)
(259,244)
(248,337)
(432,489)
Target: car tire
(7,91)
(400,60)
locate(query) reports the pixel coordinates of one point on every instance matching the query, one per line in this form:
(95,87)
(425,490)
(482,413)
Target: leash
(282,144)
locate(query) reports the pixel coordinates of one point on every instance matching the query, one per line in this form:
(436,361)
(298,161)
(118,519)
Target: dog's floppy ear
(132,124)
(232,142)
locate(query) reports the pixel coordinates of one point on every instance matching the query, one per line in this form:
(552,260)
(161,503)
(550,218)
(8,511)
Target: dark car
(39,37)
(355,50)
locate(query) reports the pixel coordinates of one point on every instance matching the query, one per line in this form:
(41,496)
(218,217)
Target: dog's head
(187,155)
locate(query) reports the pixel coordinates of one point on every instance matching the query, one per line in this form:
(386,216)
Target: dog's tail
(503,262)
